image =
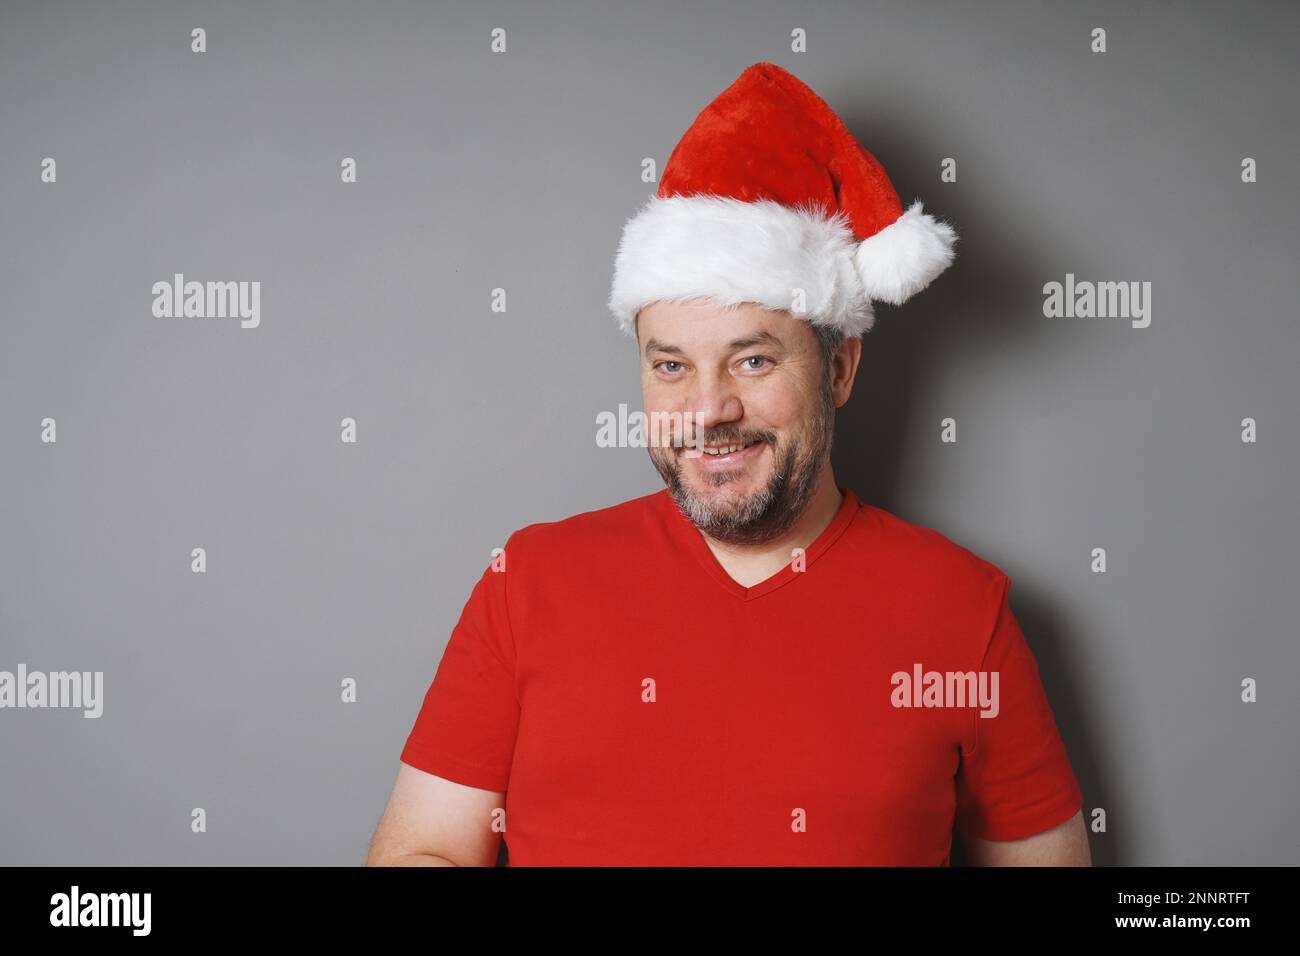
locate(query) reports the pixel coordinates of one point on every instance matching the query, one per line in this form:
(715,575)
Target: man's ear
(844,369)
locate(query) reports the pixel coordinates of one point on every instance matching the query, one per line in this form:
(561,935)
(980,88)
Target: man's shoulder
(917,547)
(620,523)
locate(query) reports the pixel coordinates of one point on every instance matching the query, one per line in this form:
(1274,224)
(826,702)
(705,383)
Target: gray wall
(328,560)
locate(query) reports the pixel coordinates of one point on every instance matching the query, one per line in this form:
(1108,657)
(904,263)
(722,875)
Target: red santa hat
(768,198)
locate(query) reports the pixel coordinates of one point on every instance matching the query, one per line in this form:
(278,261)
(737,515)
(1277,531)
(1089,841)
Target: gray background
(477,170)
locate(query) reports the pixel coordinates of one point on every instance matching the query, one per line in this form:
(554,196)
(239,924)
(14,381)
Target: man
(750,666)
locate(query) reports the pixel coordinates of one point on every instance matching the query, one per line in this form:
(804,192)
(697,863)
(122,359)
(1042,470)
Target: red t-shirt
(639,707)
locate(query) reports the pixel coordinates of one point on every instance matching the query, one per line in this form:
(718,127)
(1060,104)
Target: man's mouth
(740,454)
(720,450)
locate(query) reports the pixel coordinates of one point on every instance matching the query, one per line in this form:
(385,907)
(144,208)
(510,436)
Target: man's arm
(431,821)
(1063,845)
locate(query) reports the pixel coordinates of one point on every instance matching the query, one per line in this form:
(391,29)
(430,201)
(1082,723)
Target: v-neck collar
(685,531)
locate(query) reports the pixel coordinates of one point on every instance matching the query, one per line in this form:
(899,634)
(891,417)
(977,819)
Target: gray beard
(771,511)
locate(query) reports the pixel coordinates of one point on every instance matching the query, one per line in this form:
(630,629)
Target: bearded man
(751,666)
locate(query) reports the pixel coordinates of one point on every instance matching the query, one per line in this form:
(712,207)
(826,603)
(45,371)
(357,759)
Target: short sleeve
(1016,779)
(465,730)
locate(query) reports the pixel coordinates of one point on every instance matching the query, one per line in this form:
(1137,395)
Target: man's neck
(751,564)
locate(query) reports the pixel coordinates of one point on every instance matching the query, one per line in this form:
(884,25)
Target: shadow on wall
(988,299)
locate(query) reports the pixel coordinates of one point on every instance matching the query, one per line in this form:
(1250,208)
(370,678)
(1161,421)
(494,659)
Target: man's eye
(660,364)
(756,358)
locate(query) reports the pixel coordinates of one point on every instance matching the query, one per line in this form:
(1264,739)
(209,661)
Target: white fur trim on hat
(731,251)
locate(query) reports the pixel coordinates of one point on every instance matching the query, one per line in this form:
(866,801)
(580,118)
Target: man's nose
(715,401)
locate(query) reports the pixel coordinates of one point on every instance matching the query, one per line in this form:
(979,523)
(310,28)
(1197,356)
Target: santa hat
(768,198)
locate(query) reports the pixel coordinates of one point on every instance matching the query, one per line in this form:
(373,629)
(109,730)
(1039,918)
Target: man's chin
(723,495)
(731,492)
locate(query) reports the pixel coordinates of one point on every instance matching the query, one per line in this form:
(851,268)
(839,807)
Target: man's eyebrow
(758,338)
(735,345)
(654,345)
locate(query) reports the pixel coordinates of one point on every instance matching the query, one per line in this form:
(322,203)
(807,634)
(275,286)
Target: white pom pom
(905,256)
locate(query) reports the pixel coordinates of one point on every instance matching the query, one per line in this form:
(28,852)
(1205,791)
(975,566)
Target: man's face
(740,375)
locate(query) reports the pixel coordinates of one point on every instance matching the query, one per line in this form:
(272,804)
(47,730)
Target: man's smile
(734,455)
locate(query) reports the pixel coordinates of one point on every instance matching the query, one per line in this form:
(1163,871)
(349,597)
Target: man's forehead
(700,327)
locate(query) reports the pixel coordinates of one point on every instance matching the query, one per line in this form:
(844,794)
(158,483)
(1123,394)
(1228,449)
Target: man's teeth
(728,449)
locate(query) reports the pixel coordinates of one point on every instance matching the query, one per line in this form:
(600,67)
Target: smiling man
(751,666)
